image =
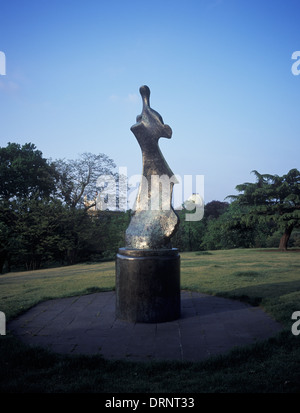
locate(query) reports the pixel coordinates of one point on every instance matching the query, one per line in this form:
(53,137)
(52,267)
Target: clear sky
(219,73)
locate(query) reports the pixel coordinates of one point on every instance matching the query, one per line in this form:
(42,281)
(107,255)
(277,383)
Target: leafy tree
(78,178)
(190,234)
(272,198)
(110,227)
(9,238)
(36,233)
(75,234)
(24,175)
(40,219)
(37,226)
(228,230)
(214,209)
(24,172)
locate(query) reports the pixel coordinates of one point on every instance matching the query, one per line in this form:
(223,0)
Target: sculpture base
(148,285)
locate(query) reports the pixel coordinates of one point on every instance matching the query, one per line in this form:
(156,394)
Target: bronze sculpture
(148,268)
(154,220)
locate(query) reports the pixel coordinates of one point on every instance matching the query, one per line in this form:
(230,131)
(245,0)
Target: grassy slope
(268,278)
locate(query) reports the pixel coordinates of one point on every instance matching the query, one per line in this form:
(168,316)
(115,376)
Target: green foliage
(24,173)
(224,226)
(45,219)
(274,199)
(38,233)
(190,234)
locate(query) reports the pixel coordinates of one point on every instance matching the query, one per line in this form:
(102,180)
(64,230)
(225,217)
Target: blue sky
(219,73)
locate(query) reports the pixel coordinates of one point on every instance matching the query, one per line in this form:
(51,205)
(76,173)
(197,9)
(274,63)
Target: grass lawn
(268,278)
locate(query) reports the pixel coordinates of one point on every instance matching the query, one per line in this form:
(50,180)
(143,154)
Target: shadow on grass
(279,300)
(265,367)
(258,292)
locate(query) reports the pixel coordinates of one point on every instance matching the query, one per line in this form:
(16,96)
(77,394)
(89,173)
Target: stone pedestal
(148,285)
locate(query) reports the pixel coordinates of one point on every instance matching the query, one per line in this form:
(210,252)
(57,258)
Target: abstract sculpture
(154,220)
(148,268)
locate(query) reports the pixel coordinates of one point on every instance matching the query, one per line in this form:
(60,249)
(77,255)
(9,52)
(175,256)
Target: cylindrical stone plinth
(148,285)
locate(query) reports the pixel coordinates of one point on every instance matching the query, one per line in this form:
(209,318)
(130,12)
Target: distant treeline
(223,227)
(46,221)
(43,234)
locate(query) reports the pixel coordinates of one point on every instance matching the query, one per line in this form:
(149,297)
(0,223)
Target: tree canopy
(77,178)
(45,219)
(272,198)
(24,173)
(42,215)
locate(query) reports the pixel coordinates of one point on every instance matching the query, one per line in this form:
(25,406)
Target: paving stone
(87,324)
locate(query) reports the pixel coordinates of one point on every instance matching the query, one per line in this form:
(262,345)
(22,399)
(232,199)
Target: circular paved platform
(87,324)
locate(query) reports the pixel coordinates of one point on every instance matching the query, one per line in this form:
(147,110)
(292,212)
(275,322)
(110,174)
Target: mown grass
(267,278)
(21,290)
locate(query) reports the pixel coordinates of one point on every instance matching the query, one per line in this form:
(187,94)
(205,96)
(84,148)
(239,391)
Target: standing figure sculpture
(154,220)
(148,268)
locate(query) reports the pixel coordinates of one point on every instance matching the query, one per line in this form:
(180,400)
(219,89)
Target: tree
(228,230)
(214,209)
(24,176)
(41,221)
(9,237)
(190,234)
(272,198)
(78,178)
(24,173)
